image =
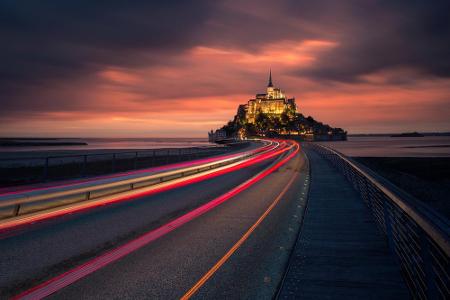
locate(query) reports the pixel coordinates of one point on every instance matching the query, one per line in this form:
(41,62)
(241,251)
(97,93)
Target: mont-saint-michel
(109,187)
(273,114)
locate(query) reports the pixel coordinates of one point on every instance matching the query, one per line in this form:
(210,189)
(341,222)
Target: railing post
(366,191)
(135,160)
(428,266)
(354,178)
(388,225)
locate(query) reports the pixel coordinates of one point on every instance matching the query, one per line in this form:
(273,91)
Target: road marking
(65,279)
(233,249)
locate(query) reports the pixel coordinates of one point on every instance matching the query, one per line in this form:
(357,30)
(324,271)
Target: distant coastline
(408,134)
(397,134)
(61,144)
(27,142)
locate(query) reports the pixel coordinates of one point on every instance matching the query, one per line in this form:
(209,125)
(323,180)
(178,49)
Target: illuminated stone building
(273,103)
(272,114)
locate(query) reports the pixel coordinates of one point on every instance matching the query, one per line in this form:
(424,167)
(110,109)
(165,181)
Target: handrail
(213,147)
(44,167)
(410,210)
(421,245)
(16,200)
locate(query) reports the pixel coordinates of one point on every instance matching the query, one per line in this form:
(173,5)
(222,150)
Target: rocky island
(272,114)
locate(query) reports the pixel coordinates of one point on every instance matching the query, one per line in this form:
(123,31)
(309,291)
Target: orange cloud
(120,76)
(280,54)
(201,89)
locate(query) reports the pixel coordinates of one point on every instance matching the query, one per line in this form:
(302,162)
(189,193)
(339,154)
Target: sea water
(109,144)
(385,146)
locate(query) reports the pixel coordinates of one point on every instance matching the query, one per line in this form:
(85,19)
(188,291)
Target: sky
(180,68)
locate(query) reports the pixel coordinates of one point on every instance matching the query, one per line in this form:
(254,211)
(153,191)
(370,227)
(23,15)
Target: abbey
(273,103)
(273,114)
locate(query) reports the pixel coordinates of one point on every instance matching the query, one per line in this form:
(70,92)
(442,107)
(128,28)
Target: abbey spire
(270,78)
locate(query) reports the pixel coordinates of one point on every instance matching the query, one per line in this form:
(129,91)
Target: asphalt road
(171,265)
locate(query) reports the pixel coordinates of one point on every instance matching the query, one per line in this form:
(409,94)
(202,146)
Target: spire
(270,78)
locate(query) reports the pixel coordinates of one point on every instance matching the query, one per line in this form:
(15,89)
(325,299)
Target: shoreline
(41,144)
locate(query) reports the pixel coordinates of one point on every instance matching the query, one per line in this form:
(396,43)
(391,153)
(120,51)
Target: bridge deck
(340,253)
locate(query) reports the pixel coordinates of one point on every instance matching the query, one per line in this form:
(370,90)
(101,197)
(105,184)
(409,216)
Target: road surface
(170,266)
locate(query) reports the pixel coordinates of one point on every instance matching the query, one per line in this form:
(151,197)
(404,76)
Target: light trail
(63,280)
(69,183)
(7,226)
(236,246)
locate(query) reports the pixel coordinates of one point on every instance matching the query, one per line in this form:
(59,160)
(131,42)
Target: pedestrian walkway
(340,254)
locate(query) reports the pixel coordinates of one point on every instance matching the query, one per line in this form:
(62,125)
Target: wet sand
(426,178)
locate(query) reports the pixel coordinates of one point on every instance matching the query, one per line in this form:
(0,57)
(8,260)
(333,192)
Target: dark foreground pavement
(339,254)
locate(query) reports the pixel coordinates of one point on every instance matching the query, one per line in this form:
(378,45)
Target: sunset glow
(164,90)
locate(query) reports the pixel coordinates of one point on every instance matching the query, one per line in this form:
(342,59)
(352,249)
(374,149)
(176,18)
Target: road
(171,265)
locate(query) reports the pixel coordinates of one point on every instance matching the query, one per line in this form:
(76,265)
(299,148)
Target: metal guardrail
(16,205)
(420,243)
(43,168)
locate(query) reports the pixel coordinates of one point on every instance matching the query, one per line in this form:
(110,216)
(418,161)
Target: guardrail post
(16,210)
(428,266)
(135,160)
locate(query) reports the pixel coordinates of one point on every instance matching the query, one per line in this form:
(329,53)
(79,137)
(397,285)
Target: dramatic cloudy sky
(180,68)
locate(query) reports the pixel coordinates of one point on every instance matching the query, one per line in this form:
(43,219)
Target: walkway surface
(340,254)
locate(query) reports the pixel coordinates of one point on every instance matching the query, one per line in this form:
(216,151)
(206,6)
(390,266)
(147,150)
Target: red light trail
(169,167)
(59,282)
(8,226)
